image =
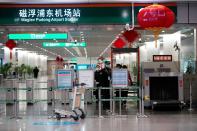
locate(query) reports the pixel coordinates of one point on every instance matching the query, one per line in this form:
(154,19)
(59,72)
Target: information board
(87,77)
(52,15)
(119,78)
(63,14)
(64,79)
(162,58)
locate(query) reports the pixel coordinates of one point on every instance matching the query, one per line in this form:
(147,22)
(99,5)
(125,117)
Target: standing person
(130,82)
(36,70)
(118,66)
(105,75)
(125,91)
(75,77)
(97,78)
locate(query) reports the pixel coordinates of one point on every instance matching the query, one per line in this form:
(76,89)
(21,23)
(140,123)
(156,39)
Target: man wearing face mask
(105,75)
(97,77)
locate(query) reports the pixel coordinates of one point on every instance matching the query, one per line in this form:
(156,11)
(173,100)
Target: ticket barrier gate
(10,87)
(11,92)
(53,98)
(50,85)
(113,99)
(30,91)
(63,95)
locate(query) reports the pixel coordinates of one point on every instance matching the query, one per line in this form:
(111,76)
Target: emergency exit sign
(64,44)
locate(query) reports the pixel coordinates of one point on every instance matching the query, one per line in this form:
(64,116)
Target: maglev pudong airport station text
(48,15)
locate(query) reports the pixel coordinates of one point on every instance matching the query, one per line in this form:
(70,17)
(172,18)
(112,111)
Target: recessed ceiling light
(109,28)
(125,14)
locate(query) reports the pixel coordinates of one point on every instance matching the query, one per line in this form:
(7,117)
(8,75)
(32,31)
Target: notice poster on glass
(87,77)
(64,79)
(119,78)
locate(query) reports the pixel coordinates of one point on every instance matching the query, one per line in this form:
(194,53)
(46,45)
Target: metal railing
(10,90)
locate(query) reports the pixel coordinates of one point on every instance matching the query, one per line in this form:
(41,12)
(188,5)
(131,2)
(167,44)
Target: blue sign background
(64,79)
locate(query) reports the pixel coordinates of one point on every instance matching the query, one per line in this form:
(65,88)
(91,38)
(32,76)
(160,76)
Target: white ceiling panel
(96,37)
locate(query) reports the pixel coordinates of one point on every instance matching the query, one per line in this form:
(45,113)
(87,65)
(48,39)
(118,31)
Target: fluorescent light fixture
(64,44)
(125,14)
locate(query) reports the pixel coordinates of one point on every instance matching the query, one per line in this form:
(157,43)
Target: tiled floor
(35,118)
(164,122)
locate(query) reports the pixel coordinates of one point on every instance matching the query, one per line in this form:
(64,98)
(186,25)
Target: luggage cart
(77,112)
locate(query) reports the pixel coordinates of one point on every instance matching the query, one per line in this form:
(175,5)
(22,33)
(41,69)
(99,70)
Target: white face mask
(108,66)
(100,61)
(97,69)
(103,65)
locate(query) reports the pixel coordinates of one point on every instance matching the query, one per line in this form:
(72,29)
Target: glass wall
(180,42)
(188,50)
